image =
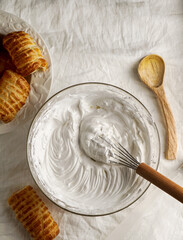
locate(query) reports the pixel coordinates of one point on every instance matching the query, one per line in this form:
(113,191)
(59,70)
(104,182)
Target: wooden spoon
(151,71)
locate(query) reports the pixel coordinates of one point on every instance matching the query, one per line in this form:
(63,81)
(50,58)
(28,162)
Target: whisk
(123,157)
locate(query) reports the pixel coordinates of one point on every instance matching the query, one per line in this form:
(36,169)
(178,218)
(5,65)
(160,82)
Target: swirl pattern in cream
(72,157)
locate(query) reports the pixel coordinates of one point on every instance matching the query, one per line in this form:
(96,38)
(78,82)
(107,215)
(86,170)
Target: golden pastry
(14,90)
(33,214)
(25,54)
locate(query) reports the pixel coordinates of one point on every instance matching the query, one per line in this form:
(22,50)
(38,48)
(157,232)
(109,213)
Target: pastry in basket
(14,90)
(25,54)
(31,211)
(5,62)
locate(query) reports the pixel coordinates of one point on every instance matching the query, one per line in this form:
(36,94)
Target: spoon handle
(171,149)
(160,181)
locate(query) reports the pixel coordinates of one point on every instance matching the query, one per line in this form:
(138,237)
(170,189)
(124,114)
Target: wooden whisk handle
(160,181)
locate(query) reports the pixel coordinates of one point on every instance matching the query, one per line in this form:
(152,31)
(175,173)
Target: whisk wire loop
(122,156)
(124,163)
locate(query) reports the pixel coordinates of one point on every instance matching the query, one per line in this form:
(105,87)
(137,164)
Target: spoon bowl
(151,70)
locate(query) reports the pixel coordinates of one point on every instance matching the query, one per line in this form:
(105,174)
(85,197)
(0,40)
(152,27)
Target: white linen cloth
(103,41)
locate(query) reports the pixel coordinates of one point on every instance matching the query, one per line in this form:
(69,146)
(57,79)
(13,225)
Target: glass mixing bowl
(79,199)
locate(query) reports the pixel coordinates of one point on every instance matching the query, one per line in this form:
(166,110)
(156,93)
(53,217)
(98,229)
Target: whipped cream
(69,155)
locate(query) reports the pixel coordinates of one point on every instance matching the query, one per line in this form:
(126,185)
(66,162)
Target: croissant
(33,214)
(14,90)
(25,54)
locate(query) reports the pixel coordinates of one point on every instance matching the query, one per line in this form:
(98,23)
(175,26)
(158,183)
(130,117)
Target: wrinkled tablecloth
(103,41)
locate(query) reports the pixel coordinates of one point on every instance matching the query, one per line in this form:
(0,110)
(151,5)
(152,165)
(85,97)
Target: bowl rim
(92,83)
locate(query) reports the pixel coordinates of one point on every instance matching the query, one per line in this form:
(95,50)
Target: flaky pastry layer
(25,54)
(14,90)
(31,211)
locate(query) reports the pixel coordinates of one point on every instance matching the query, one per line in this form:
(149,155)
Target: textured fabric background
(104,41)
